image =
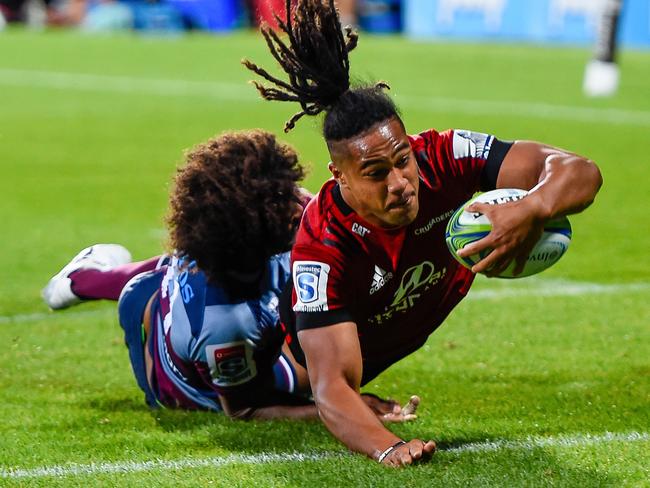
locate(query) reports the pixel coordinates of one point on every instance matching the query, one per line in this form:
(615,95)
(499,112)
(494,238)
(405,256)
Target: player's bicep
(524,165)
(332,353)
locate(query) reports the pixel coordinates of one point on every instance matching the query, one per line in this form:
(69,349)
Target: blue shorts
(131,307)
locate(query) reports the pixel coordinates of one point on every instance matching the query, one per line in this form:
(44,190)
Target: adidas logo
(379,279)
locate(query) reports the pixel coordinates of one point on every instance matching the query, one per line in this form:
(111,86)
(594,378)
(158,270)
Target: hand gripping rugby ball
(467,227)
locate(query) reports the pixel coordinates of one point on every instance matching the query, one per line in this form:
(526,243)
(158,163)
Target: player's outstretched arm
(266,404)
(335,367)
(560,183)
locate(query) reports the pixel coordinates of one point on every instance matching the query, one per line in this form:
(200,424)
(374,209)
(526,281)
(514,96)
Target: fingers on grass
(411,407)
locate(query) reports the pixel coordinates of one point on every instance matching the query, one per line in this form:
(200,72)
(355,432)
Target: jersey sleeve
(473,158)
(239,344)
(320,296)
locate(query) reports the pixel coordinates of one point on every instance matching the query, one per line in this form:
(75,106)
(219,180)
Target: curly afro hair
(234,205)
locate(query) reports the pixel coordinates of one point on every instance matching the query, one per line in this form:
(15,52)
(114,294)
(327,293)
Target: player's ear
(336,172)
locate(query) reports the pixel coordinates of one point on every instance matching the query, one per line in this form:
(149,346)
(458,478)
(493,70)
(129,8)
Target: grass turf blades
(91,131)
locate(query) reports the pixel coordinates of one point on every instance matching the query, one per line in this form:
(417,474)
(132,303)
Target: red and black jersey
(397,285)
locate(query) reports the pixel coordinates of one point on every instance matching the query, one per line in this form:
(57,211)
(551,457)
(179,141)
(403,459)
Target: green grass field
(538,382)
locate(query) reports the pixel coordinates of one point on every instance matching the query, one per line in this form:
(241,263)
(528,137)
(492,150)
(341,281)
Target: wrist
(539,209)
(380,456)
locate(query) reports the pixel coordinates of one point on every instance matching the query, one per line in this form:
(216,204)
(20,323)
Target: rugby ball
(466,227)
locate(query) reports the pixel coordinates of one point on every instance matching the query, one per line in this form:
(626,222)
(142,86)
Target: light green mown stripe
(242,92)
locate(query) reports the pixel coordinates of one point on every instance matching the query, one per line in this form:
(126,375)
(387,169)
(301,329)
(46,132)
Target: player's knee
(134,297)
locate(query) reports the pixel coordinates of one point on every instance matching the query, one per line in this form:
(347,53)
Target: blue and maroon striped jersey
(204,343)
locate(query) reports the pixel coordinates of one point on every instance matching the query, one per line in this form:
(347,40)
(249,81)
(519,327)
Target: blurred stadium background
(540,21)
(536,382)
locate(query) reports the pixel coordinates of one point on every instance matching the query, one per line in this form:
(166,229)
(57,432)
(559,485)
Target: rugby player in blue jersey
(371,272)
(201,324)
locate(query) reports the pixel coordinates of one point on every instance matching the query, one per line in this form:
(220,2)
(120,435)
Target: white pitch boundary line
(546,288)
(241,93)
(537,110)
(554,288)
(161,464)
(127,84)
(563,441)
(126,467)
(35,317)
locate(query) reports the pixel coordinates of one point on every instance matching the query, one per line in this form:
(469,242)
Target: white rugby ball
(466,227)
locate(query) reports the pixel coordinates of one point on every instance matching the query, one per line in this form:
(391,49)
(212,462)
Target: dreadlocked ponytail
(315,59)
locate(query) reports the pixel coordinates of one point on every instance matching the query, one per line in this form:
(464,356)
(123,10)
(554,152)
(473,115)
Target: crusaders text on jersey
(396,285)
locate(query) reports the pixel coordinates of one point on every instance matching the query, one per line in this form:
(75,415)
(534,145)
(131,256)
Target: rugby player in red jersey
(371,272)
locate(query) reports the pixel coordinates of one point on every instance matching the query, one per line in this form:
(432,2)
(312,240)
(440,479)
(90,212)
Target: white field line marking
(505,290)
(553,288)
(127,84)
(35,317)
(161,464)
(241,93)
(528,444)
(538,110)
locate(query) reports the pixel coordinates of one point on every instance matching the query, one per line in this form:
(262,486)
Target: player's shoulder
(237,320)
(431,146)
(450,146)
(318,210)
(471,144)
(459,139)
(185,282)
(429,138)
(188,287)
(325,229)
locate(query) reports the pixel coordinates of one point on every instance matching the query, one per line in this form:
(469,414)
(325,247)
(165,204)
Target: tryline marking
(501,290)
(240,92)
(126,467)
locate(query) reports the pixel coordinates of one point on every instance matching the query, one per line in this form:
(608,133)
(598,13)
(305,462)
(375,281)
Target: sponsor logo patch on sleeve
(231,363)
(310,283)
(468,144)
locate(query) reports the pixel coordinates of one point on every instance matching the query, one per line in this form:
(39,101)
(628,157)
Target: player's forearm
(350,420)
(570,185)
(303,412)
(263,404)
